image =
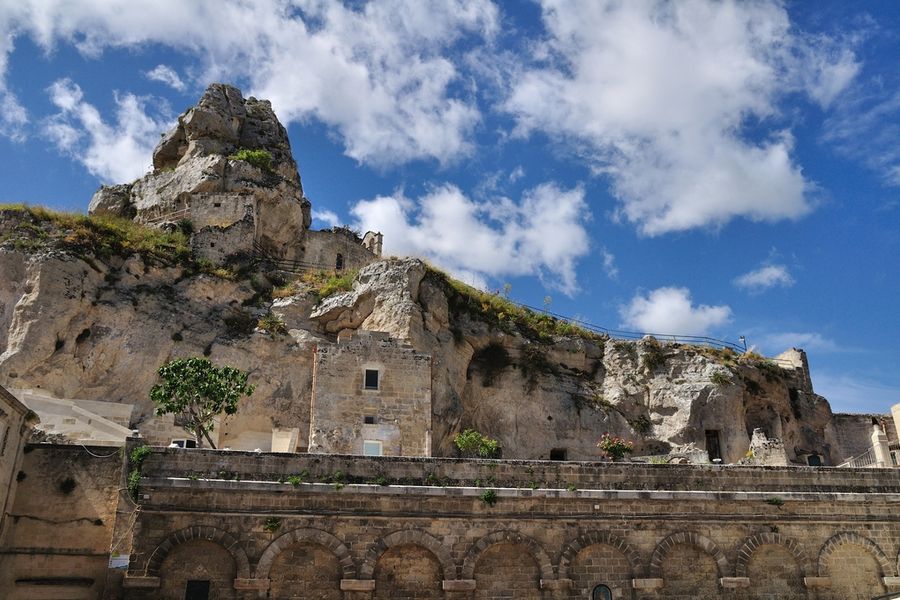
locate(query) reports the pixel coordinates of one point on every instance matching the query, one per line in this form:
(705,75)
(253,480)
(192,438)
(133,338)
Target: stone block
(817,582)
(251,584)
(458,585)
(140,582)
(734,582)
(357,585)
(650,583)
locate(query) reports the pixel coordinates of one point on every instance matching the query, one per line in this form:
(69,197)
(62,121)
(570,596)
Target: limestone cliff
(78,322)
(226,167)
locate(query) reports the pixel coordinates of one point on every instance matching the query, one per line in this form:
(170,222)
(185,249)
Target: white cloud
(764,278)
(326,216)
(866,126)
(809,341)
(669,310)
(853,393)
(541,234)
(609,264)
(167,75)
(376,72)
(657,95)
(113,153)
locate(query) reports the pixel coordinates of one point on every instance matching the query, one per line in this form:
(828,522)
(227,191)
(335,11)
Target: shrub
(489,497)
(261,159)
(641,424)
(137,457)
(774,501)
(719,378)
(653,356)
(271,524)
(272,323)
(615,447)
(472,443)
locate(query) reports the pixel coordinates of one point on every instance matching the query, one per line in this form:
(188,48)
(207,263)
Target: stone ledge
(556,584)
(891,581)
(140,582)
(817,582)
(260,585)
(647,583)
(458,585)
(734,582)
(474,492)
(357,585)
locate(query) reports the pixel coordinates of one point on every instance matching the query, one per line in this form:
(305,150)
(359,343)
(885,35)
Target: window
(814,460)
(372,448)
(371,380)
(339,262)
(601,592)
(894,456)
(196,590)
(558,454)
(712,445)
(184,443)
(369,419)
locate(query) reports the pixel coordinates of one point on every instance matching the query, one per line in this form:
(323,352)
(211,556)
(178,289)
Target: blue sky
(698,168)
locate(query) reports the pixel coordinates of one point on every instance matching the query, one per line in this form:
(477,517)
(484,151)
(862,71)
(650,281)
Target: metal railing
(175,215)
(281,264)
(866,460)
(636,335)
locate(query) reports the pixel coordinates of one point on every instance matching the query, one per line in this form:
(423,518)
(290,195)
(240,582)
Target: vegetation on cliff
(34,228)
(499,312)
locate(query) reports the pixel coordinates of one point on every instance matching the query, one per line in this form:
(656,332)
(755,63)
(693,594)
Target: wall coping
(469,491)
(637,477)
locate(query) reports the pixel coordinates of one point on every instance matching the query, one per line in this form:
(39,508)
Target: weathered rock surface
(94,329)
(194,177)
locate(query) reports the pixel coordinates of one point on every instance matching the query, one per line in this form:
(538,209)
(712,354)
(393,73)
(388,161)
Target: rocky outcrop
(201,173)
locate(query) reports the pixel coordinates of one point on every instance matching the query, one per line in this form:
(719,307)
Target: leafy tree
(196,391)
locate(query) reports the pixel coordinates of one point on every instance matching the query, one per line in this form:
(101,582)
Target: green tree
(196,392)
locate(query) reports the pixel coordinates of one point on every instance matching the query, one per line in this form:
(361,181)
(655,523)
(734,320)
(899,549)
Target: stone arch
(848,537)
(597,537)
(691,538)
(754,542)
(408,536)
(511,537)
(200,532)
(305,536)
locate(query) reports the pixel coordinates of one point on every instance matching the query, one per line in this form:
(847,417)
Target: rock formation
(199,175)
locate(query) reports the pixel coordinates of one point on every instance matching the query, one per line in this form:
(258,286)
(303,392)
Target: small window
(372,448)
(371,380)
(217,204)
(601,592)
(558,454)
(894,460)
(196,590)
(369,419)
(212,244)
(339,262)
(814,460)
(184,443)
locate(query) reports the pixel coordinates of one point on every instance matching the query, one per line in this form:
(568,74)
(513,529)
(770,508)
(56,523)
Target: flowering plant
(615,447)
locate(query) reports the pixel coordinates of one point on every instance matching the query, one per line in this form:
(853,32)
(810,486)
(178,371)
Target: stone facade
(16,423)
(370,388)
(645,531)
(59,535)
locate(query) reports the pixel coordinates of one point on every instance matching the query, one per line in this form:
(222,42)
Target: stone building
(371,396)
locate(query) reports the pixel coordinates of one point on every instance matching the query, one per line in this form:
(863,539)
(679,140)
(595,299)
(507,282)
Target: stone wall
(396,412)
(60,532)
(323,247)
(764,532)
(853,432)
(16,422)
